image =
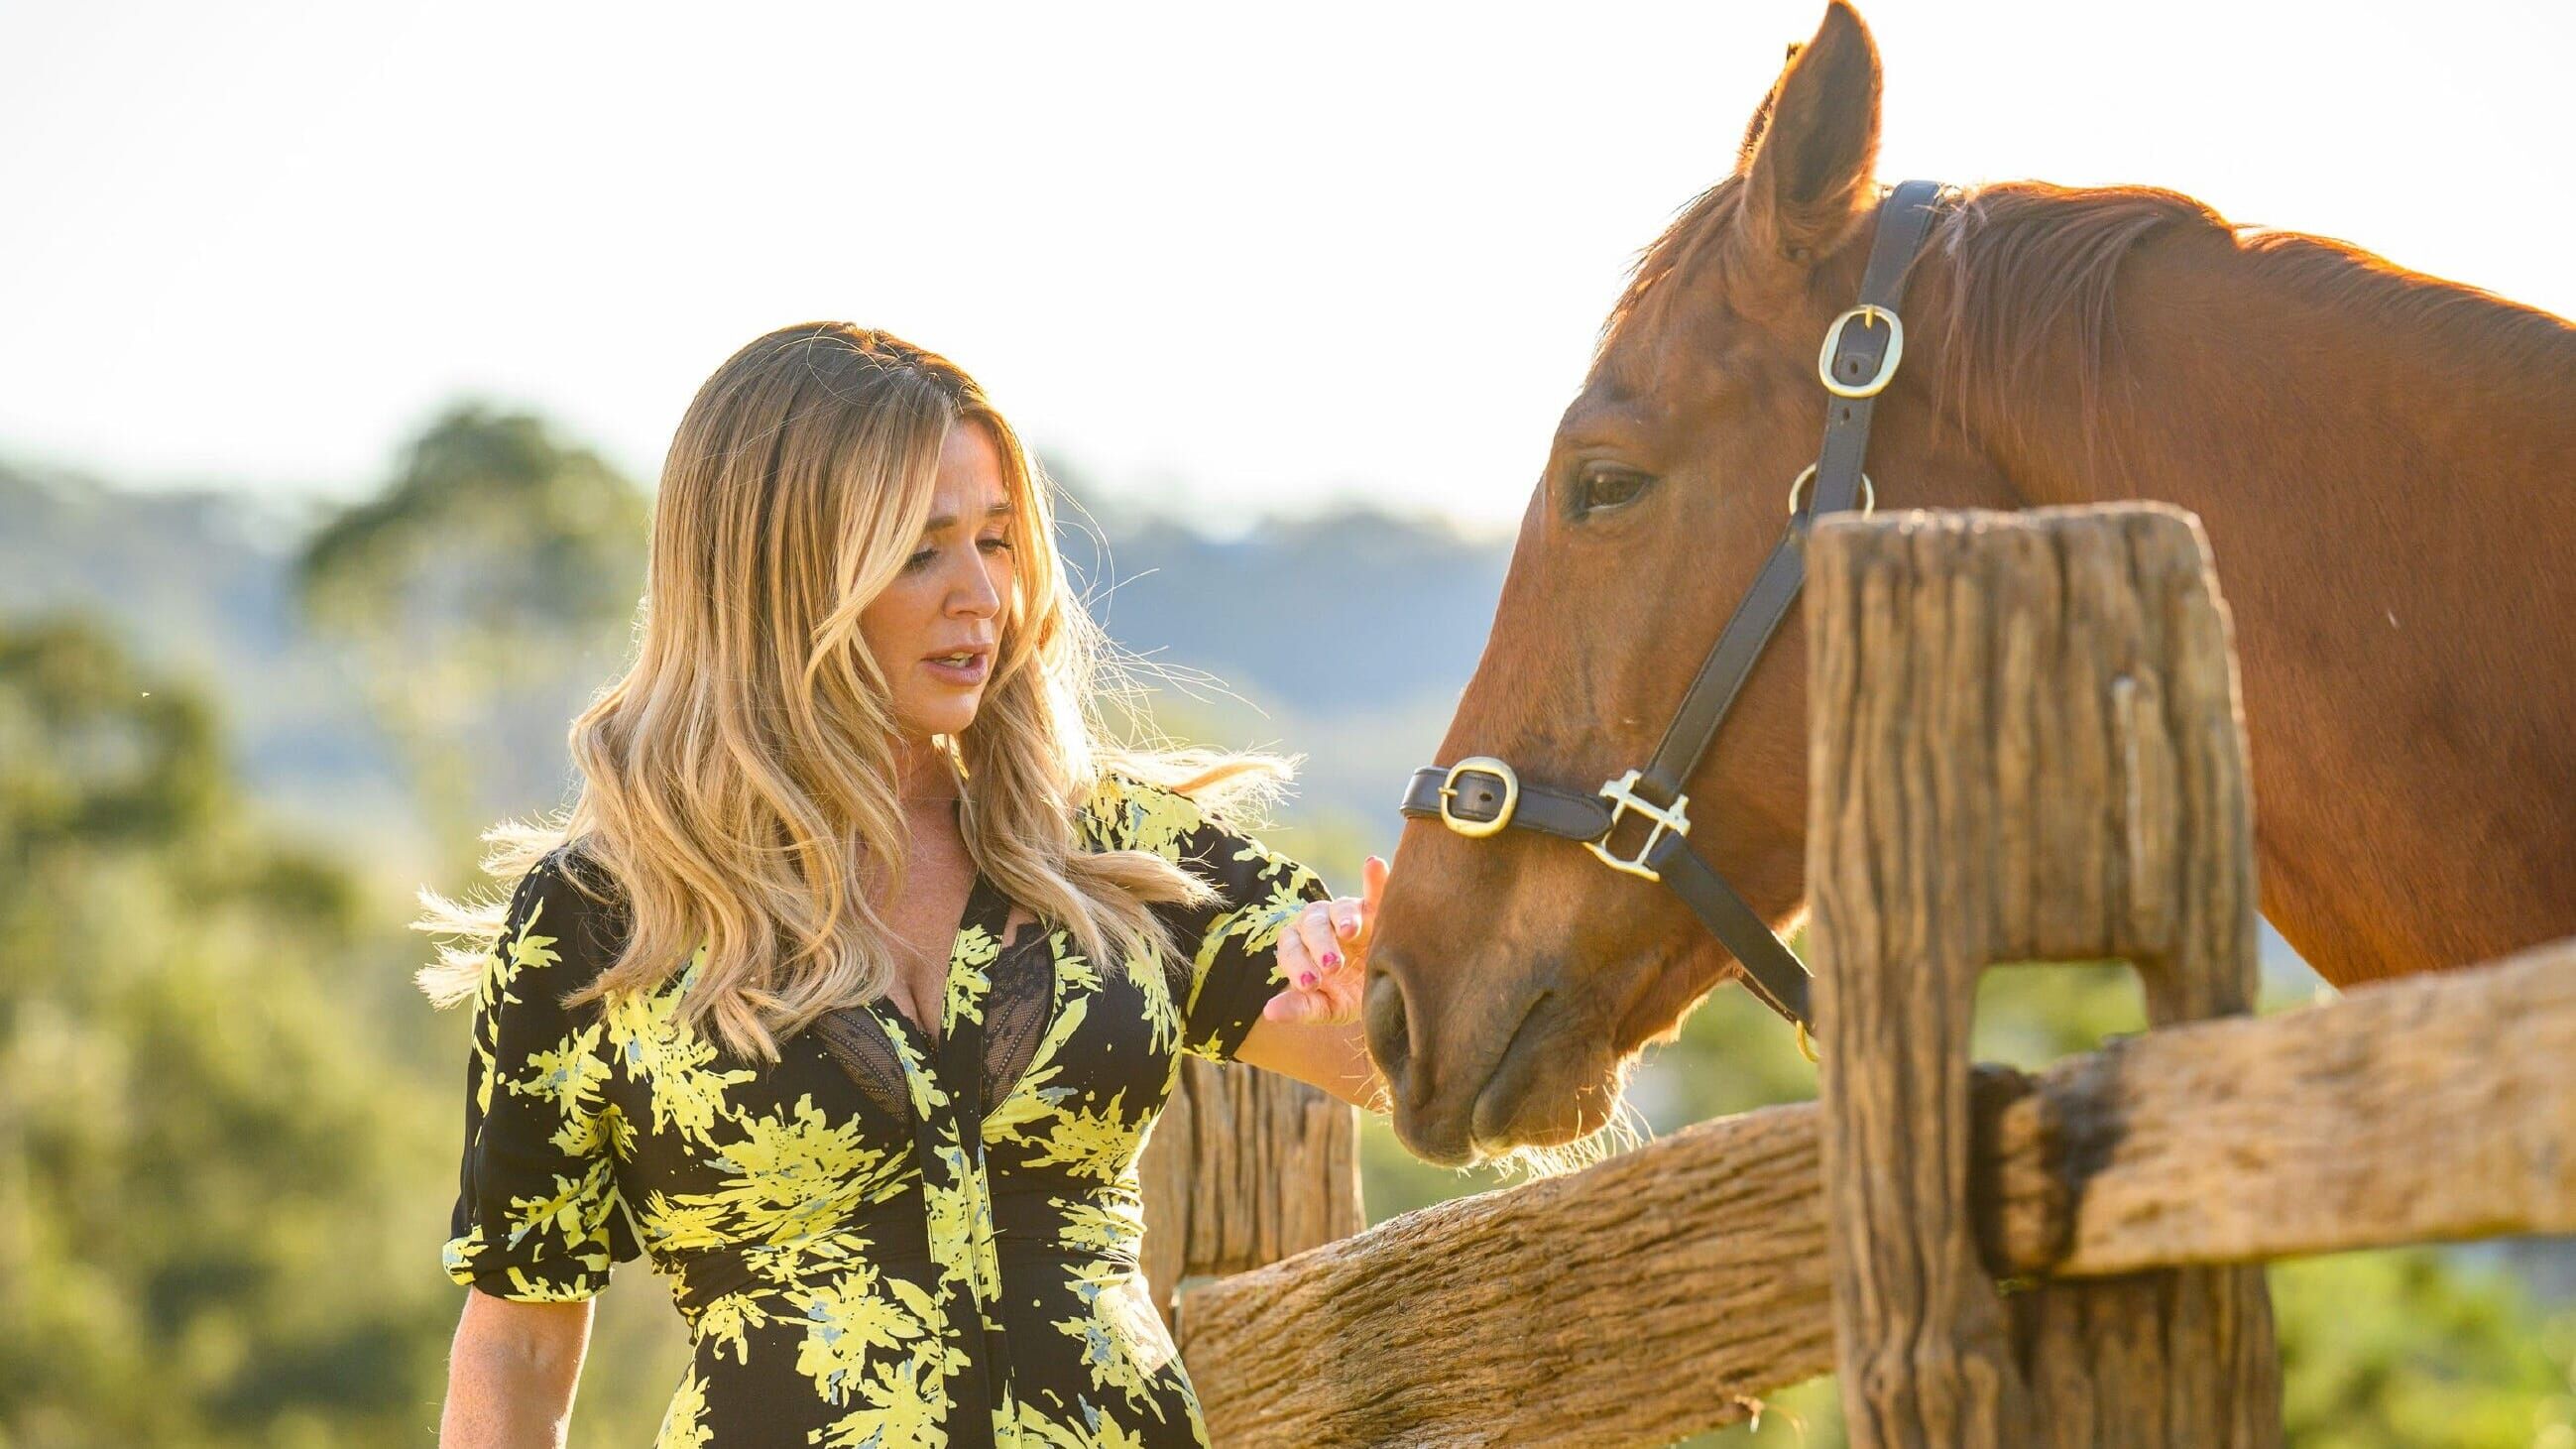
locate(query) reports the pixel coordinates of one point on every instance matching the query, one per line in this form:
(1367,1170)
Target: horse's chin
(1502,1127)
(1554,1083)
(1496,1125)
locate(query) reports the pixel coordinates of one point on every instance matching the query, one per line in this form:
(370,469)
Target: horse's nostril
(1388,1036)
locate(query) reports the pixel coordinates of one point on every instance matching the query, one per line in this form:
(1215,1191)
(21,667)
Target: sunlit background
(1290,297)
(1233,260)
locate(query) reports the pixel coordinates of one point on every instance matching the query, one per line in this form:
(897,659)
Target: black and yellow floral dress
(879,1241)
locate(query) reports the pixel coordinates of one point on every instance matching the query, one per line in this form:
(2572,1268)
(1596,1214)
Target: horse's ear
(1762,114)
(1812,148)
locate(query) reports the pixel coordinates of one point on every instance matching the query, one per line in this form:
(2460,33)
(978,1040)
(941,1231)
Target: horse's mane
(2024,259)
(2340,275)
(2029,266)
(1694,231)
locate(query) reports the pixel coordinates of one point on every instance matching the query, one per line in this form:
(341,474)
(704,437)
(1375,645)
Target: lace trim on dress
(1017,1011)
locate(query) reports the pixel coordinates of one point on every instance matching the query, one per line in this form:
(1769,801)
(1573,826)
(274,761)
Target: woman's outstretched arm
(1311,1029)
(1332,1055)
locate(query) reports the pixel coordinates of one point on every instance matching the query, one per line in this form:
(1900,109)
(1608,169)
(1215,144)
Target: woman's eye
(917,560)
(1003,544)
(1603,486)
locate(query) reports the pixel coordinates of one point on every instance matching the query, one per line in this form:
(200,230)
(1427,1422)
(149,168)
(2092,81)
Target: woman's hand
(1323,953)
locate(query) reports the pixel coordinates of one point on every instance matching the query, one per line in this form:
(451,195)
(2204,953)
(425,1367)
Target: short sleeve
(1232,942)
(538,1217)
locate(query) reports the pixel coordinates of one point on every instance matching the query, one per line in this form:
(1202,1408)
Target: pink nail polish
(1306,979)
(1332,959)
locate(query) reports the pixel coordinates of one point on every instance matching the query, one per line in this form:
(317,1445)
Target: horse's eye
(1604,486)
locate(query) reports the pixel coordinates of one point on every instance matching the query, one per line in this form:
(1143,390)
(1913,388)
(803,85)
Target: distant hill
(195,583)
(1346,638)
(1354,610)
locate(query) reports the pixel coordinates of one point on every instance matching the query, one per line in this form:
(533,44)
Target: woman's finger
(1315,928)
(1296,964)
(1346,918)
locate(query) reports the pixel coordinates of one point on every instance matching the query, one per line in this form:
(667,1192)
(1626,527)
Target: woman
(853,979)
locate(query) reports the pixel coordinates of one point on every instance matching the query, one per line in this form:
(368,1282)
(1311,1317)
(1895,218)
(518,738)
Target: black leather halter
(1481,795)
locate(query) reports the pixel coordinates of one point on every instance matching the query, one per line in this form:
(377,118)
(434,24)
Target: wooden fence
(2027,746)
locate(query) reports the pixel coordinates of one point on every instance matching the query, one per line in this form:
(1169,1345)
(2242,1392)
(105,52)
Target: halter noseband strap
(1481,796)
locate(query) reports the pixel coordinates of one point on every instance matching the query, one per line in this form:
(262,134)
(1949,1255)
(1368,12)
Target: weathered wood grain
(2025,744)
(1245,1168)
(2428,1109)
(1632,1302)
(1649,1296)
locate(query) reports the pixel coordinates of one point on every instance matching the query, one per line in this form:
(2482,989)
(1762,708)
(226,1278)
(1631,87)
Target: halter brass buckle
(1876,382)
(1483,765)
(1622,795)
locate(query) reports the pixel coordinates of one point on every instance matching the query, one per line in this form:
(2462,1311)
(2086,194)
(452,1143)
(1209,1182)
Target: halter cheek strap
(1482,796)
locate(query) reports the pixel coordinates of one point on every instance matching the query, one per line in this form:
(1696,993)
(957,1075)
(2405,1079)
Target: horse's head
(1514,977)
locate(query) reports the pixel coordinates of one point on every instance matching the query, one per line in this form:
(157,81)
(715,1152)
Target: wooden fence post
(1244,1169)
(2026,746)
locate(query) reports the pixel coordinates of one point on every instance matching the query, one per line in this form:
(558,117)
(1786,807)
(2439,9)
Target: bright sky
(1230,258)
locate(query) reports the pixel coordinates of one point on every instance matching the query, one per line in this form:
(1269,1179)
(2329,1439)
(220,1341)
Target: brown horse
(2382,461)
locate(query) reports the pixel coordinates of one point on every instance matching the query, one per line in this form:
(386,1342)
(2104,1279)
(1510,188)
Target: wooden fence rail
(2025,745)
(1244,1168)
(1665,1291)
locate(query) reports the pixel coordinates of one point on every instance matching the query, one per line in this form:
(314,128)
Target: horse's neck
(2383,466)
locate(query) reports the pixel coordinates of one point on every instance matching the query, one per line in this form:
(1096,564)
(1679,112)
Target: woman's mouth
(963,667)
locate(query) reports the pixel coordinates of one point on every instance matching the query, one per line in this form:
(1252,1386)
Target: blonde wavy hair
(738,777)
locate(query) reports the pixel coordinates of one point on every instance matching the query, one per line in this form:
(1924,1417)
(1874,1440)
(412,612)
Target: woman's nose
(976,594)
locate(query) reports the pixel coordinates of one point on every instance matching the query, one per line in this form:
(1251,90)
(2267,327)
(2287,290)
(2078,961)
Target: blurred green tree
(200,1161)
(499,560)
(2421,1346)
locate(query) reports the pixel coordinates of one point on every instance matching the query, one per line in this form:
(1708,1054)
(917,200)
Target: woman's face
(948,600)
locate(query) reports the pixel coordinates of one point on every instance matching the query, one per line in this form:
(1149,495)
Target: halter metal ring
(1868,492)
(1877,381)
(1482,765)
